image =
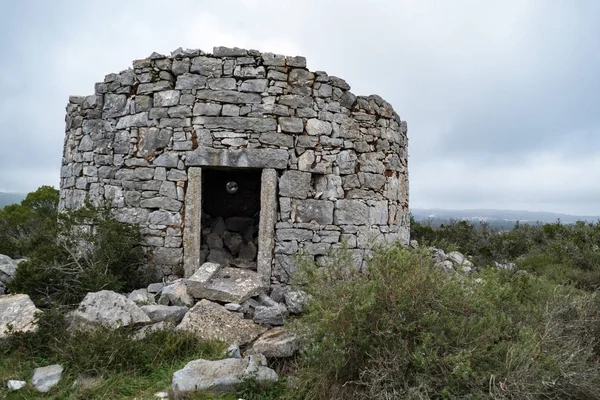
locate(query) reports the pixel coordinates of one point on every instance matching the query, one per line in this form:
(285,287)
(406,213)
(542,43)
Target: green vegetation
(407,330)
(25,226)
(120,366)
(404,330)
(565,254)
(83,251)
(70,254)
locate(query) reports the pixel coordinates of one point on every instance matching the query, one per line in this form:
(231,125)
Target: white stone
(110,309)
(176,295)
(17,314)
(221,376)
(15,385)
(276,343)
(45,378)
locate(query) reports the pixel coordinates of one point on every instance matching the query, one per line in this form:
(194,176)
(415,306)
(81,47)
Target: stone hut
(238,157)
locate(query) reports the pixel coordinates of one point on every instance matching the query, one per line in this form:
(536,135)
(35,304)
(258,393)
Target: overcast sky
(502,99)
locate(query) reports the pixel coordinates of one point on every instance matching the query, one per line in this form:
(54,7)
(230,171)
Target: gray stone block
(295,184)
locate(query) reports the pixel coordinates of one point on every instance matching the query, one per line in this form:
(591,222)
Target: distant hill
(498,218)
(10,198)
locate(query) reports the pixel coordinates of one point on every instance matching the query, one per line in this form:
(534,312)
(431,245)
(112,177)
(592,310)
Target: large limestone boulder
(109,309)
(17,314)
(211,321)
(45,378)
(219,377)
(276,343)
(226,285)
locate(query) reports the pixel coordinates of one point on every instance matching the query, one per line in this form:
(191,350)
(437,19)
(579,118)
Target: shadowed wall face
(231,193)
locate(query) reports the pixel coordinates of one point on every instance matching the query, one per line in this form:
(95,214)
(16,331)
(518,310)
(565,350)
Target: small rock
(87,382)
(214,241)
(15,385)
(176,295)
(233,351)
(296,301)
(161,395)
(146,330)
(234,307)
(17,314)
(414,244)
(196,284)
(220,256)
(109,309)
(439,255)
(278,293)
(45,378)
(244,264)
(506,266)
(140,296)
(211,321)
(160,313)
(155,287)
(228,285)
(276,343)
(265,315)
(445,266)
(248,251)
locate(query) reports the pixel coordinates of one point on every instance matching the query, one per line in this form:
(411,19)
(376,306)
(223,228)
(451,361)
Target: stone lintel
(240,158)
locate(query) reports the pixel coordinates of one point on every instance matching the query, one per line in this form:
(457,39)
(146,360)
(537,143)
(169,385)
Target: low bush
(407,330)
(90,252)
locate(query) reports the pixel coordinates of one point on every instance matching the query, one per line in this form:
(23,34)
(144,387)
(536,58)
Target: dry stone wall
(341,159)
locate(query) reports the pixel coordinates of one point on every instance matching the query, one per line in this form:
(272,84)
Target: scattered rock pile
(218,302)
(230,242)
(455,261)
(223,302)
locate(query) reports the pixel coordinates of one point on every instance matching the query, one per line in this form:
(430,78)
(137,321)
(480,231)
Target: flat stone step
(225,285)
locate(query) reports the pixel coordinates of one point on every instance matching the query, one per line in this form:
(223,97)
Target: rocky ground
(220,301)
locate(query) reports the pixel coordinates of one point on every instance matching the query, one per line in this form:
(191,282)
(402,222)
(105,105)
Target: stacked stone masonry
(340,160)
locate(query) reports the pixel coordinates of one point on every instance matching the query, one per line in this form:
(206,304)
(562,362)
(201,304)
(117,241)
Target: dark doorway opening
(230,216)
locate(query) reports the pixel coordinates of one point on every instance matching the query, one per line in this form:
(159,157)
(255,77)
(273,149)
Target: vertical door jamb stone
(266,225)
(192,230)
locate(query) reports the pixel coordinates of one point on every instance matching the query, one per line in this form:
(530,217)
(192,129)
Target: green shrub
(26,226)
(407,330)
(571,252)
(90,252)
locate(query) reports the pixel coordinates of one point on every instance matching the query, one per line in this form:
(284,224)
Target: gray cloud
(500,98)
